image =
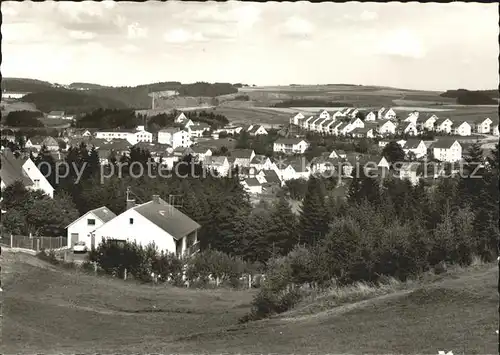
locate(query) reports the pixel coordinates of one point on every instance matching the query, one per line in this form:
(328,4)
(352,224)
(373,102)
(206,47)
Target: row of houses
(383,123)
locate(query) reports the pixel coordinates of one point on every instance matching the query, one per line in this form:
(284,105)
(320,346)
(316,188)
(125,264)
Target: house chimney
(156,198)
(130,204)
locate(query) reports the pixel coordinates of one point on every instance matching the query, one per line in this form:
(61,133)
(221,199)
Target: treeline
(242,98)
(168,119)
(386,229)
(24,85)
(311,103)
(207,89)
(467,97)
(23,119)
(261,144)
(109,118)
(70,101)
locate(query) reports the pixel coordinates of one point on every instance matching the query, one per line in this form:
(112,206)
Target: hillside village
(261,173)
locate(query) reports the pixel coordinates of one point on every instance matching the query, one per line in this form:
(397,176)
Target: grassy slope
(53,311)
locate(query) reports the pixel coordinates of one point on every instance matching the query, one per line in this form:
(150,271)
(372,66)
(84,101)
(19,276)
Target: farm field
(253,115)
(54,310)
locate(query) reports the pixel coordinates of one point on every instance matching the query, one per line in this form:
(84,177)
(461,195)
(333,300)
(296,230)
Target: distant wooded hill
(468,97)
(47,97)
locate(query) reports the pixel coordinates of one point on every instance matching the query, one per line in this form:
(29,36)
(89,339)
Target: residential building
(230,129)
(295,119)
(295,168)
(181,118)
(133,136)
(495,129)
(443,125)
(290,145)
(371,116)
(369,131)
(412,117)
(483,125)
(408,128)
(200,153)
(37,142)
(8,135)
(416,147)
(82,229)
(252,185)
(219,164)
(447,150)
(197,129)
(155,222)
(307,121)
(175,137)
(386,114)
(242,157)
(24,170)
(261,162)
(256,130)
(426,121)
(387,128)
(463,129)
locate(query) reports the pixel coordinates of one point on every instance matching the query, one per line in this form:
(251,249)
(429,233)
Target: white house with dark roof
(14,169)
(219,164)
(387,128)
(386,114)
(443,125)
(447,150)
(295,119)
(408,128)
(82,229)
(416,147)
(256,130)
(426,121)
(261,162)
(463,129)
(175,137)
(133,136)
(371,116)
(290,145)
(298,168)
(37,142)
(155,222)
(307,121)
(412,117)
(197,129)
(483,125)
(252,185)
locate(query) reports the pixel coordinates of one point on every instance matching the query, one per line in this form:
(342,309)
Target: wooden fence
(34,243)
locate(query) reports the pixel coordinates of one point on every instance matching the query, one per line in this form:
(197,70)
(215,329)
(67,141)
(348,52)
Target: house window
(91,222)
(131,221)
(36,182)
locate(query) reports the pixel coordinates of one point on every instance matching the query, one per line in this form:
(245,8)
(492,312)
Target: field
(53,310)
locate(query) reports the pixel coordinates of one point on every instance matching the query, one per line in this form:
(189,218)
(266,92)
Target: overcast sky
(412,45)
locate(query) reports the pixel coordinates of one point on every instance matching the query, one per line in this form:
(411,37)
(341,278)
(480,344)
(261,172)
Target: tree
(282,231)
(393,152)
(313,222)
(51,216)
(361,115)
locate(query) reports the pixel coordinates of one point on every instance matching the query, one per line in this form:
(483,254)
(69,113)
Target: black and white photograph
(238,177)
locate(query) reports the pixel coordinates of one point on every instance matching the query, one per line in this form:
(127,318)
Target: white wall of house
(387,128)
(140,230)
(495,130)
(260,131)
(452,154)
(390,114)
(484,127)
(295,119)
(177,139)
(371,116)
(39,180)
(411,129)
(289,173)
(257,189)
(299,148)
(81,229)
(429,123)
(419,152)
(445,126)
(464,129)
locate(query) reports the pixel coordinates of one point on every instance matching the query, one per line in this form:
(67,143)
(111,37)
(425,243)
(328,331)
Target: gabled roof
(117,130)
(481,119)
(12,169)
(299,164)
(271,176)
(461,123)
(439,121)
(168,218)
(444,143)
(153,147)
(103,213)
(412,143)
(259,159)
(255,128)
(405,125)
(241,153)
(289,140)
(199,126)
(114,144)
(43,140)
(215,160)
(170,130)
(252,182)
(424,116)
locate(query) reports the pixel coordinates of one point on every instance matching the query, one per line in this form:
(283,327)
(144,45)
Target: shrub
(49,256)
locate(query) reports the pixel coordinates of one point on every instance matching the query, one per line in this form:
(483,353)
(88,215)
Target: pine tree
(282,233)
(313,221)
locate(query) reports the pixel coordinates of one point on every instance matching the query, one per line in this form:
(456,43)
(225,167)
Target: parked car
(79,247)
